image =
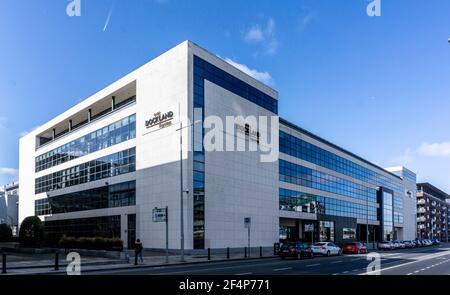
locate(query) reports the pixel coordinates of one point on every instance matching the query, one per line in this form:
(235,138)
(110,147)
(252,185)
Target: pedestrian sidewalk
(151,259)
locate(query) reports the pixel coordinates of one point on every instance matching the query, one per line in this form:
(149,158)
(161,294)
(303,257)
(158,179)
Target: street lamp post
(181,193)
(367,221)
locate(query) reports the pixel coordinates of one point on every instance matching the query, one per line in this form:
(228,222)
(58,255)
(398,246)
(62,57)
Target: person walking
(138,248)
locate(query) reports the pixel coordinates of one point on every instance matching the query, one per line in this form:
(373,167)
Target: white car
(326,248)
(385,245)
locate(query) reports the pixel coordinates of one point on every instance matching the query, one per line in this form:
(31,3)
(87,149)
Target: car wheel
(328,253)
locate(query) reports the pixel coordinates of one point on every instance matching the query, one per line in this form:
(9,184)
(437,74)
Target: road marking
(334,262)
(311,265)
(409,274)
(416,271)
(422,258)
(345,271)
(280,269)
(243,274)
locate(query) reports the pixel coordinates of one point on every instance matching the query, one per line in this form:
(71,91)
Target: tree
(5,233)
(31,232)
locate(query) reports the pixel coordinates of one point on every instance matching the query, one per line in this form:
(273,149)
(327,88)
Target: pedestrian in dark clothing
(138,251)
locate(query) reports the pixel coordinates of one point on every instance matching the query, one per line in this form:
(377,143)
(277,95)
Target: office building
(103,166)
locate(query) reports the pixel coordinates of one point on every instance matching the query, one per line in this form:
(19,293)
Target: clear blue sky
(378,86)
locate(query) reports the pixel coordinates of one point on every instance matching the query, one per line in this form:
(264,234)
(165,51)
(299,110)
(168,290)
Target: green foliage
(91,243)
(5,233)
(31,232)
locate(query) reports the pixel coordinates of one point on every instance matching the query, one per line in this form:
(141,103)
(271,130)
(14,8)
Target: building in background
(432,212)
(9,206)
(102,167)
(328,193)
(407,206)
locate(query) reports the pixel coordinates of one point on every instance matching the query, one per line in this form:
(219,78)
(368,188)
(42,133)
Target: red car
(354,248)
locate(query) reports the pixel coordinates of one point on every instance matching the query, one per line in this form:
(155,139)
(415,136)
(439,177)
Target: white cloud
(264,34)
(308,16)
(435,149)
(272,47)
(9,171)
(405,159)
(261,76)
(255,34)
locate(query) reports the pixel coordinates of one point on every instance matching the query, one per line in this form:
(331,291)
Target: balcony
(421,219)
(99,109)
(421,210)
(421,202)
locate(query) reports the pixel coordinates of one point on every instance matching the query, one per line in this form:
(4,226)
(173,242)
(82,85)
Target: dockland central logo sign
(250,133)
(162,120)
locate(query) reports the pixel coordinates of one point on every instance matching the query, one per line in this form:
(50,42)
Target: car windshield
(320,244)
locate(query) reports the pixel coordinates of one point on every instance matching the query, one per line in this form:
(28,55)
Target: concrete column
(89,115)
(70,125)
(113,103)
(54,134)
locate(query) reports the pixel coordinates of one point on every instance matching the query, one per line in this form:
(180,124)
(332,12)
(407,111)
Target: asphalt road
(419,261)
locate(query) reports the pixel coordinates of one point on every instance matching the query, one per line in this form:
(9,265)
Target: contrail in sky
(108,18)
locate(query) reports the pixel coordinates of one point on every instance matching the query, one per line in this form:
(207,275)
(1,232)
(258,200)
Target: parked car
(409,244)
(419,243)
(354,248)
(298,250)
(427,243)
(399,245)
(435,242)
(385,245)
(326,248)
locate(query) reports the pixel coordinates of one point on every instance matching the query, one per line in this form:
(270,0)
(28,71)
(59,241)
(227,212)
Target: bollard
(228,253)
(260,251)
(56,260)
(274,249)
(209,253)
(3,263)
(245,252)
(135,258)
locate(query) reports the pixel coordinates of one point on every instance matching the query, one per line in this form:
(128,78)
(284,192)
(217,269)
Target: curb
(128,266)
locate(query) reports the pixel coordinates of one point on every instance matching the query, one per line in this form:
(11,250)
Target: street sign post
(247,224)
(309,227)
(162,215)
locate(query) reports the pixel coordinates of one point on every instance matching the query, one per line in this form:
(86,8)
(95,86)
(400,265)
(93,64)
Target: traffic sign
(247,222)
(159,214)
